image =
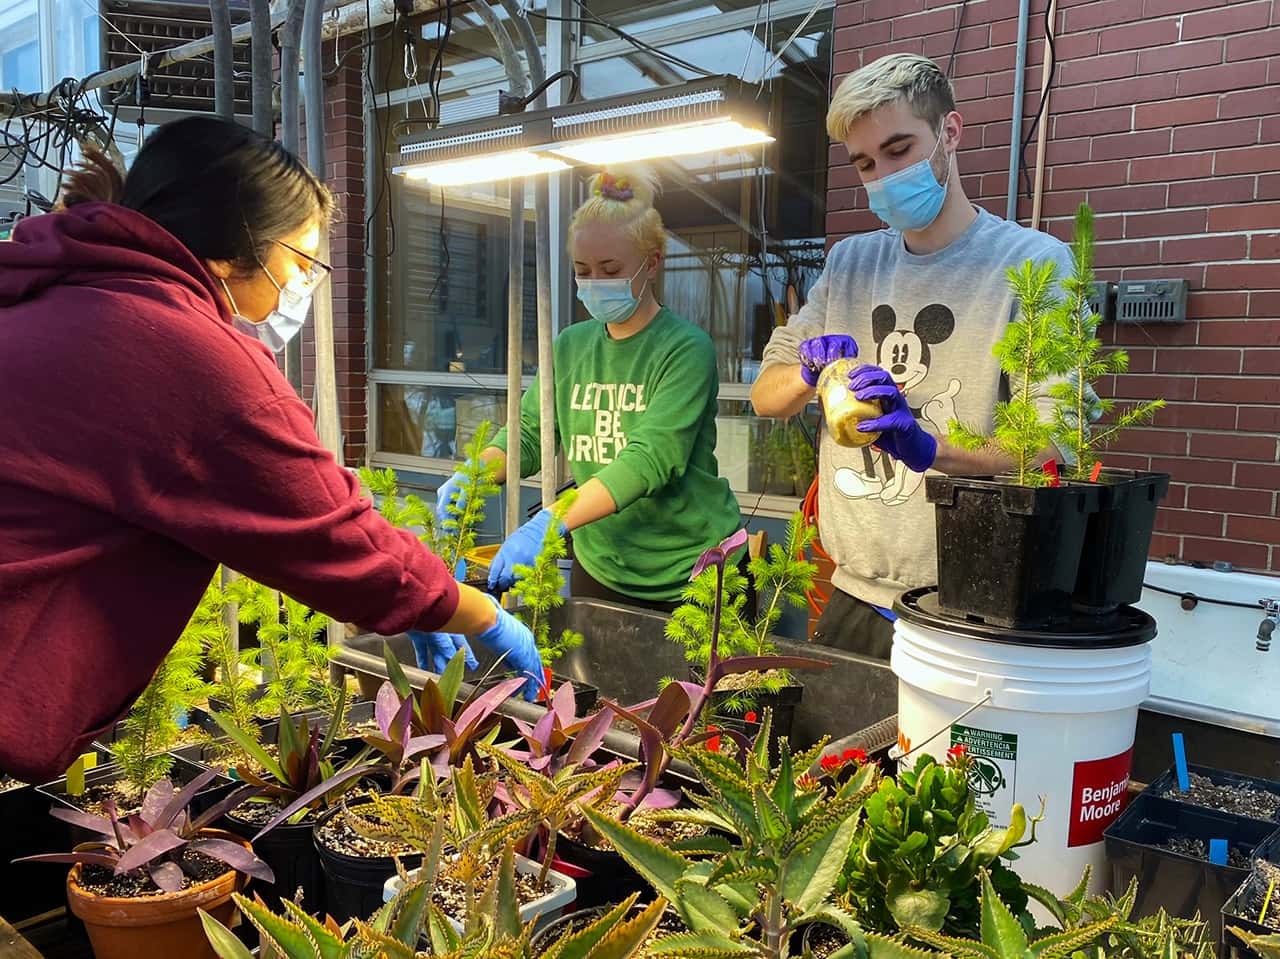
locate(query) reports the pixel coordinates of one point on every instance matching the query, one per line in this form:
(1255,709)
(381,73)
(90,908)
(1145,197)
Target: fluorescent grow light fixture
(483,169)
(664,142)
(701,116)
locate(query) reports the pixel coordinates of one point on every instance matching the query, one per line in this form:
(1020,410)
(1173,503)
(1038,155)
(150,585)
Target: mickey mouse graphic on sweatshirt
(931,320)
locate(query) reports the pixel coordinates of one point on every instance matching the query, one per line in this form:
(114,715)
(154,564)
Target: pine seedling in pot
(1077,403)
(232,685)
(152,725)
(466,509)
(538,587)
(1031,352)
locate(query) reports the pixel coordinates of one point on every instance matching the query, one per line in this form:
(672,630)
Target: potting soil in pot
(1199,849)
(825,940)
(1264,875)
(337,834)
(102,881)
(1234,798)
(451,892)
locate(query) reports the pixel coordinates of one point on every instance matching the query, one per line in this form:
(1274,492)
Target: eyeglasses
(316,272)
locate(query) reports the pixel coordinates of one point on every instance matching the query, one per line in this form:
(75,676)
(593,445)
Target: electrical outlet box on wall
(1151,301)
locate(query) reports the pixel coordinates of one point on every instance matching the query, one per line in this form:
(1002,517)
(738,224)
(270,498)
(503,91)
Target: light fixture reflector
(482,169)
(667,141)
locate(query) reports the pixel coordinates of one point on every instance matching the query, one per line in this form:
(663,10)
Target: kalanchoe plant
(916,856)
(673,718)
(1268,947)
(783,576)
(152,725)
(778,872)
(1030,353)
(156,840)
(1077,403)
(538,587)
(305,774)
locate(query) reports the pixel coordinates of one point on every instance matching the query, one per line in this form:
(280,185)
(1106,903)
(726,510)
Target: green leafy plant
(1266,946)
(1003,936)
(466,509)
(538,587)
(783,576)
(408,512)
(292,654)
(176,686)
(232,685)
(916,857)
(1077,403)
(747,896)
(1030,352)
(394,932)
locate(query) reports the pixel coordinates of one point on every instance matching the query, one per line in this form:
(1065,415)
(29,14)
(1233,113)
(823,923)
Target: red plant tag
(1095,472)
(1050,469)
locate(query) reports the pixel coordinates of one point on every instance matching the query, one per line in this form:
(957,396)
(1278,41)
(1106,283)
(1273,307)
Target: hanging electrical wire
(1052,54)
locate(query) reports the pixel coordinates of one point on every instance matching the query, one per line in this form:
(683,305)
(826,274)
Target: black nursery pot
(353,884)
(1009,555)
(1118,537)
(291,853)
(1166,787)
(585,695)
(1242,910)
(612,878)
(783,705)
(1181,885)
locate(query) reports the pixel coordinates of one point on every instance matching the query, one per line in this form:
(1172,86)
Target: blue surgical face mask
(610,301)
(912,198)
(284,322)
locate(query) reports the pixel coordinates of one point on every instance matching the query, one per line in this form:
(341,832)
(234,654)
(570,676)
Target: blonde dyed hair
(607,203)
(917,79)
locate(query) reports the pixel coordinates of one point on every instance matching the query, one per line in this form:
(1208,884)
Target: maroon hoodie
(143,440)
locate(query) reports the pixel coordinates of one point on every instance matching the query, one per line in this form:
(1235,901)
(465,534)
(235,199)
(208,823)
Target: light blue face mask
(910,199)
(610,301)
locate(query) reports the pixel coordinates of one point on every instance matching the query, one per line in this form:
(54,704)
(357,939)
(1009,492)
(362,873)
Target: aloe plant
(1002,936)
(399,925)
(747,897)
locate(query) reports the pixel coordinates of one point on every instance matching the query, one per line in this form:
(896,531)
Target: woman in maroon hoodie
(147,435)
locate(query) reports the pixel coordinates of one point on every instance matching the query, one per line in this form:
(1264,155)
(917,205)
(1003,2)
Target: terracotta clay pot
(163,925)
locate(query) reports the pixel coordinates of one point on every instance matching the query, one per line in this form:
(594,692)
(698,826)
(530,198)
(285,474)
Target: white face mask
(610,301)
(284,322)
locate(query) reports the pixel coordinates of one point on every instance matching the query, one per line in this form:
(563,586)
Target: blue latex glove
(901,436)
(445,494)
(521,548)
(513,640)
(817,352)
(434,650)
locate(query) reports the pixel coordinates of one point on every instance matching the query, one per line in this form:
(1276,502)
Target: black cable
(955,42)
(1052,54)
(623,35)
(1202,599)
(522,103)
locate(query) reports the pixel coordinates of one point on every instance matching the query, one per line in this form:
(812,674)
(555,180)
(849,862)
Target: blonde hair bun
(623,196)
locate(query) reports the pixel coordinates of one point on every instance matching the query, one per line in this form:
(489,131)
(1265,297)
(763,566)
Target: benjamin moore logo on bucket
(1099,789)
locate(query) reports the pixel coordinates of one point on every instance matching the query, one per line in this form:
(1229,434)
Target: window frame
(561,50)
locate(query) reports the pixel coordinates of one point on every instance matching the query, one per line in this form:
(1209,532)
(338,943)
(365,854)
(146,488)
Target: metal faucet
(1270,619)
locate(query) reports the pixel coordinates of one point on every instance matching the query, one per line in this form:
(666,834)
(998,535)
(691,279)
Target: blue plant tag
(1180,762)
(1218,852)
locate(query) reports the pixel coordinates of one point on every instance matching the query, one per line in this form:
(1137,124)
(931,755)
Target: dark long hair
(226,192)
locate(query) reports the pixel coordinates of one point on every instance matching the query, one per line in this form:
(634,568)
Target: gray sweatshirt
(931,321)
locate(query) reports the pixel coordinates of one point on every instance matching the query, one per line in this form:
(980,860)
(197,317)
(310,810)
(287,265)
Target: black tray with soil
(1225,791)
(1255,906)
(1158,841)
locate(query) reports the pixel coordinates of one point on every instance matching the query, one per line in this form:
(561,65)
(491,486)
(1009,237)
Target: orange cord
(809,511)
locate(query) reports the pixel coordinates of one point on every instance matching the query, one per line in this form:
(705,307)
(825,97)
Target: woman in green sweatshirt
(635,416)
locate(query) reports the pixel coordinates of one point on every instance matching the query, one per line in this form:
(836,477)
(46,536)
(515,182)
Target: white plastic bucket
(1056,724)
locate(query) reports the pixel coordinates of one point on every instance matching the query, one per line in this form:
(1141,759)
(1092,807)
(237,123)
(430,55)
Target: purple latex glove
(817,352)
(901,436)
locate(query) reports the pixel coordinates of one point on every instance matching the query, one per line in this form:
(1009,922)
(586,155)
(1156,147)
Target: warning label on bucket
(994,771)
(1099,788)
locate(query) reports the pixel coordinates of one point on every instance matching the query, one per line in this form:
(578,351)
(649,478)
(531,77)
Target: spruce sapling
(537,587)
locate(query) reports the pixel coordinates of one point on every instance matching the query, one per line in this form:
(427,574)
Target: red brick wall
(344,147)
(1165,118)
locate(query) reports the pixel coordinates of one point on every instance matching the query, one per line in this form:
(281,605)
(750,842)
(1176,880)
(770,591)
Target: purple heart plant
(155,840)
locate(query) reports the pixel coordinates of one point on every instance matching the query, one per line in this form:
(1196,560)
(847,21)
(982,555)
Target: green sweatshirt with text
(639,415)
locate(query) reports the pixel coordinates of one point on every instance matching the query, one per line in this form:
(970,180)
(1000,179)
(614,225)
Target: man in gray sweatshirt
(922,303)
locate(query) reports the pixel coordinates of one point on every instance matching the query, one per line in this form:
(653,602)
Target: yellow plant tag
(75,775)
